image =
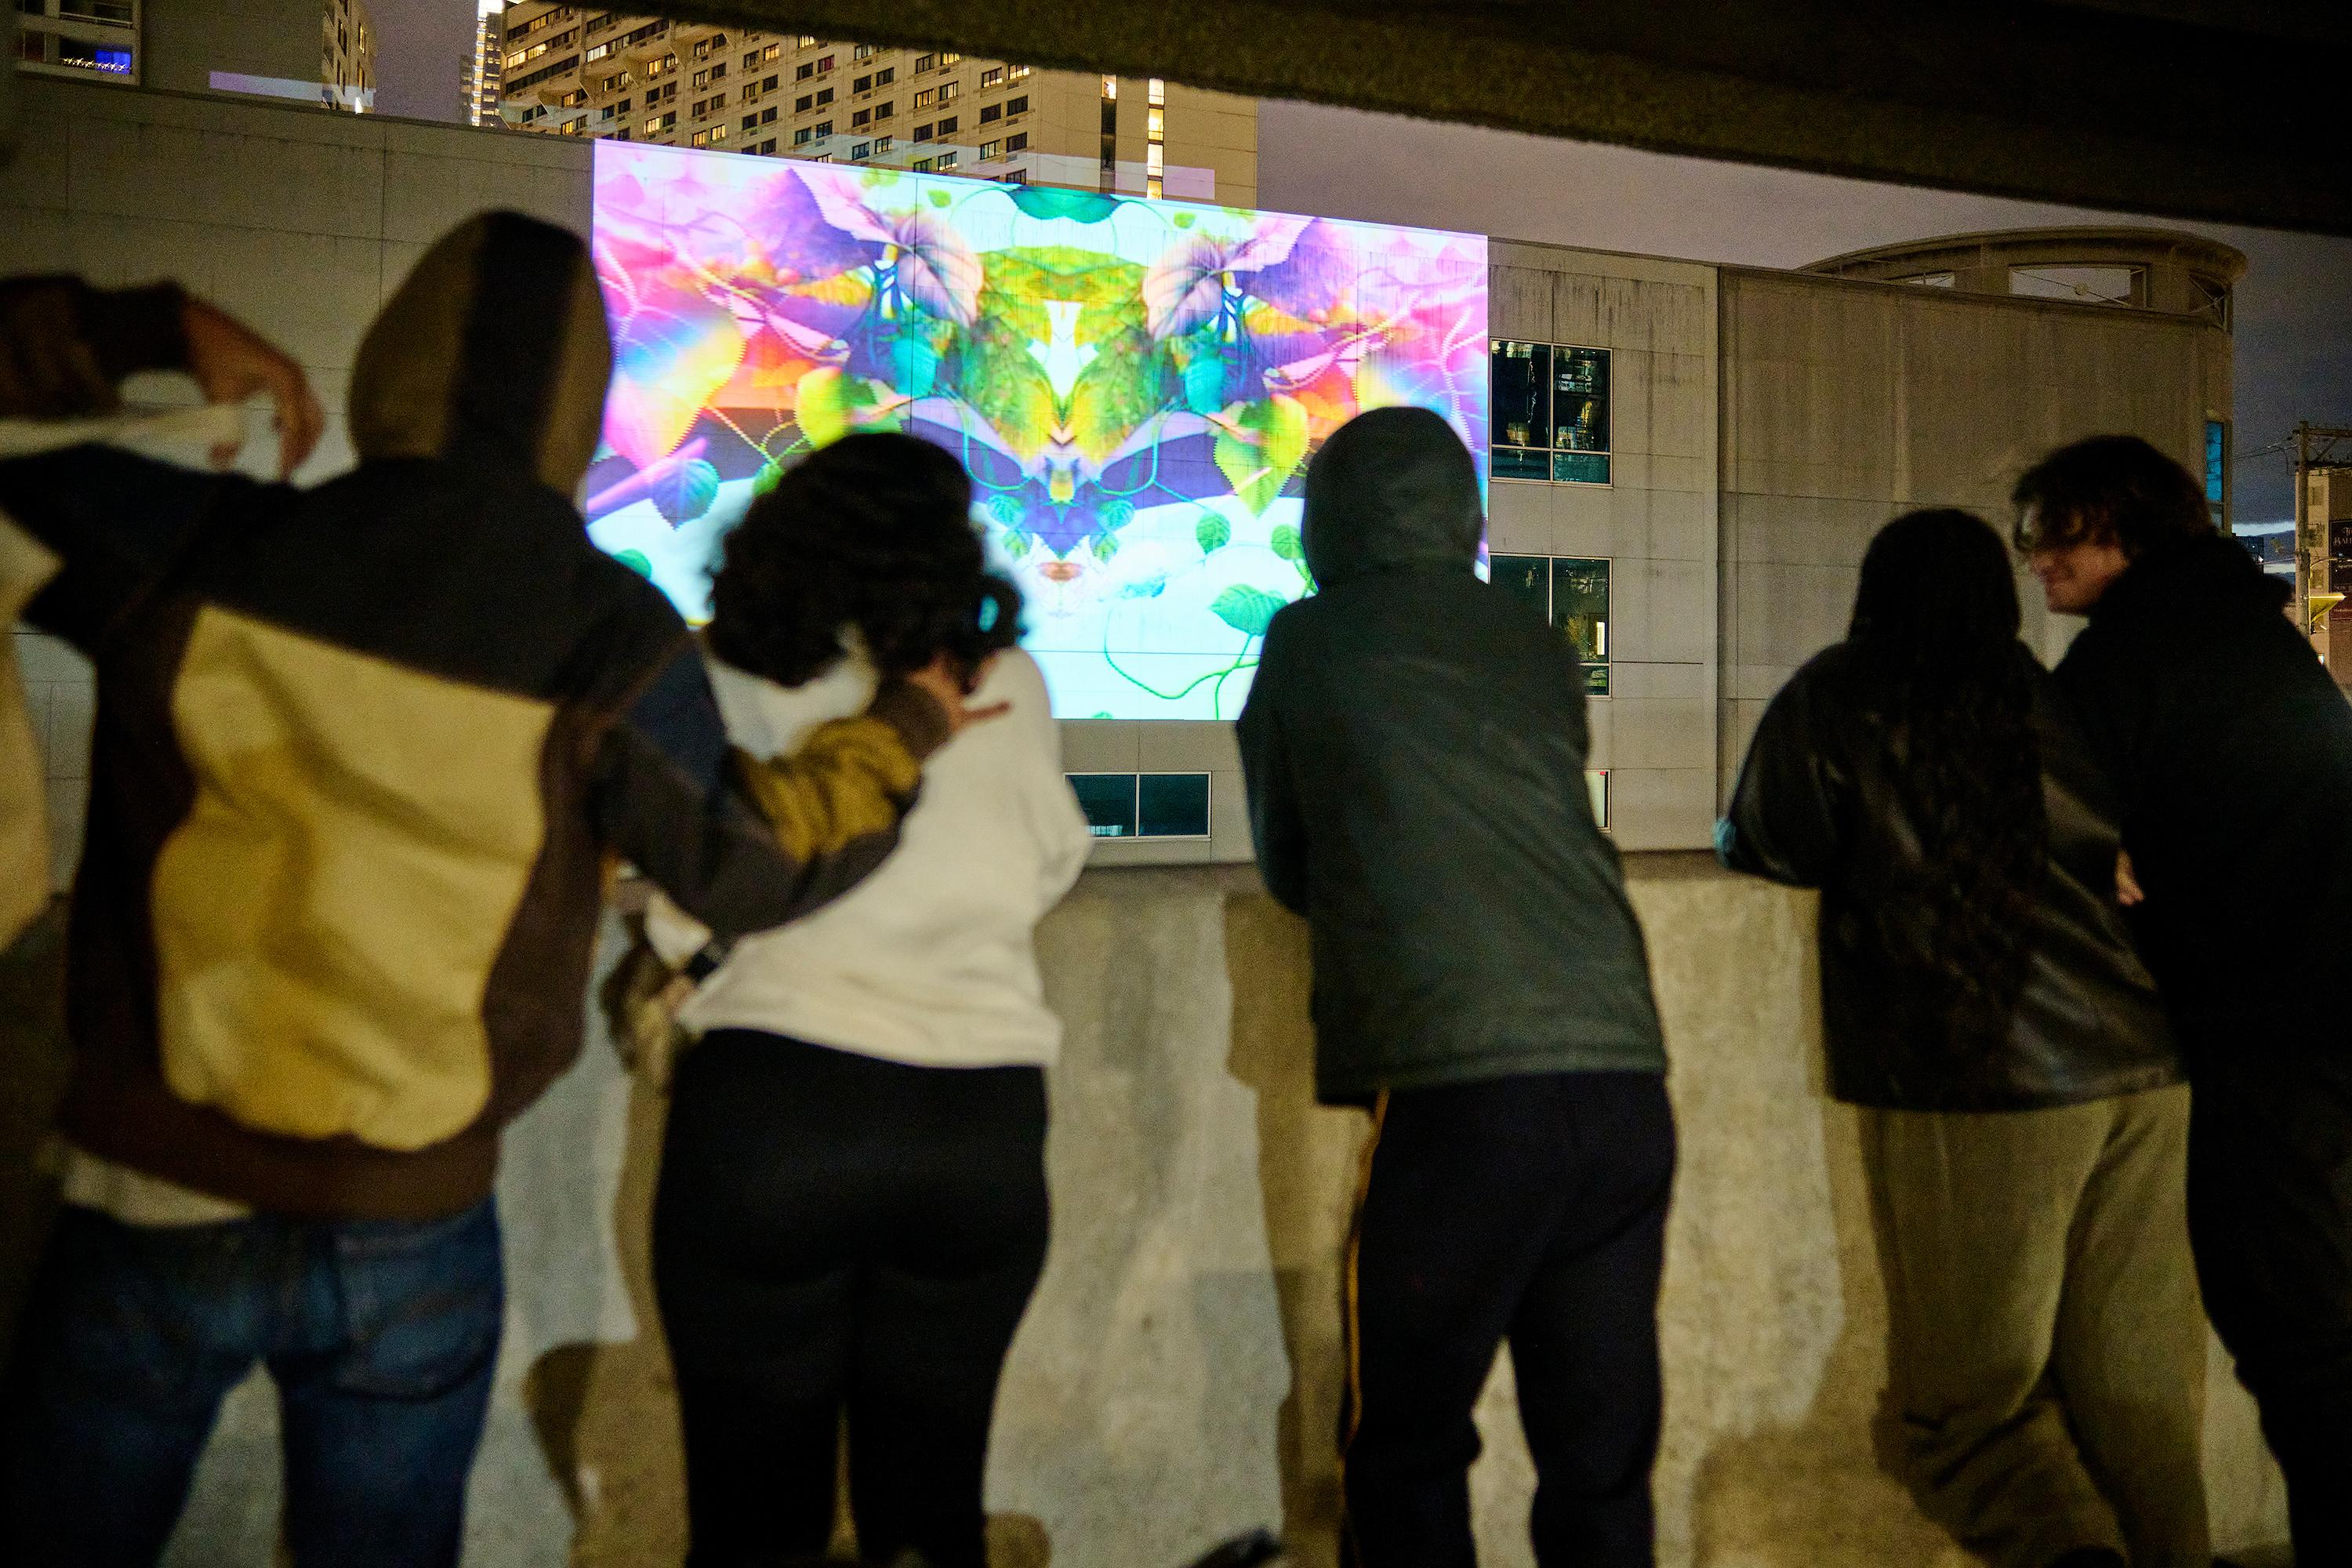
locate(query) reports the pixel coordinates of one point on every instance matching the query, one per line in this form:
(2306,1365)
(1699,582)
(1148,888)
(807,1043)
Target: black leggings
(834,1232)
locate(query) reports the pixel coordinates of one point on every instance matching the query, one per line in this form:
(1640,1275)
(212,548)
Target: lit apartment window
(718,134)
(1015,73)
(700,138)
(1571,592)
(991,113)
(771,52)
(927,96)
(1156,90)
(1153,159)
(991,151)
(661,123)
(823,64)
(702,80)
(882,145)
(862,52)
(1016,143)
(1549,406)
(1155,124)
(949,57)
(992,76)
(805,41)
(949,91)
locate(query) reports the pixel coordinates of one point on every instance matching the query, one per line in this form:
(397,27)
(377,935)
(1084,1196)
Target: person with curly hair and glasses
(852,1210)
(2022,1121)
(2230,746)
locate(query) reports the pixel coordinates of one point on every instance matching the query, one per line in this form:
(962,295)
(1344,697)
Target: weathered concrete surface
(1176,1381)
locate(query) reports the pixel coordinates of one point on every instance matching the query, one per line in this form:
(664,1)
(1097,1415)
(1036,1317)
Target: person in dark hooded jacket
(2230,750)
(362,755)
(1415,745)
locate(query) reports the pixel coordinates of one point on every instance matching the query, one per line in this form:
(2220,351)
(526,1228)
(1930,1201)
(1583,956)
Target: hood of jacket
(493,352)
(1392,491)
(2208,573)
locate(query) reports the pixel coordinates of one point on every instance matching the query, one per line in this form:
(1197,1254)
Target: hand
(949,683)
(2127,888)
(230,362)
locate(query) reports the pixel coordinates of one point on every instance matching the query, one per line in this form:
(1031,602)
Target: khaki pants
(2046,1348)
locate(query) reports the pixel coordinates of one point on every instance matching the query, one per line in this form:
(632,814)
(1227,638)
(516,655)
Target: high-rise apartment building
(482,76)
(318,51)
(568,71)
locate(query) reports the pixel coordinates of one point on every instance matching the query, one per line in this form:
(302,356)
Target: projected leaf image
(1137,386)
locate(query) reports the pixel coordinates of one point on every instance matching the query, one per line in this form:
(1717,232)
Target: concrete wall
(1847,403)
(1176,1381)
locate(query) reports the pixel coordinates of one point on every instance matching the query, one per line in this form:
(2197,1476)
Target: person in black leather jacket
(2020,1112)
(2230,748)
(1415,747)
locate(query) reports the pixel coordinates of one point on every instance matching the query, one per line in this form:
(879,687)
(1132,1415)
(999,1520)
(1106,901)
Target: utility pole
(2320,583)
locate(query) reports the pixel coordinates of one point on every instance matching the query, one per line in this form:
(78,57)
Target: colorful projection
(1135,385)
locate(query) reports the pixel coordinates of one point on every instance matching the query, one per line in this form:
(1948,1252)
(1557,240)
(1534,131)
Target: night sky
(2294,308)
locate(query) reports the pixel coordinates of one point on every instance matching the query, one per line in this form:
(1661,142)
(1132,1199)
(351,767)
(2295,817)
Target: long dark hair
(873,533)
(1949,689)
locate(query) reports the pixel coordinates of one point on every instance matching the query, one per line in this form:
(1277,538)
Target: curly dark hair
(873,534)
(1951,692)
(2110,488)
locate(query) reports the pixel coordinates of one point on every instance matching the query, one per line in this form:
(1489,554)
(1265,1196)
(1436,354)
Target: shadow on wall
(1176,1381)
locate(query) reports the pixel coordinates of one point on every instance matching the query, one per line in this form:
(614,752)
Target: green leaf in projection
(1285,542)
(1258,462)
(1106,545)
(1213,532)
(1246,609)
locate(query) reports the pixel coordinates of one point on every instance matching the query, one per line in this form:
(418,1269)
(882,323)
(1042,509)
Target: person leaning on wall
(2230,750)
(362,751)
(2023,1121)
(1414,745)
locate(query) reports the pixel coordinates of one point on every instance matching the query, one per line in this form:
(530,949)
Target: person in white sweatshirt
(852,1210)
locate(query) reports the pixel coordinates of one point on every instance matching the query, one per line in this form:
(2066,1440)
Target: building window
(1018,143)
(1015,73)
(885,110)
(702,80)
(884,77)
(861,119)
(992,76)
(768,117)
(927,96)
(1155,91)
(882,145)
(806,70)
(702,139)
(768,145)
(1572,594)
(920,165)
(1013,106)
(1013,177)
(824,96)
(823,64)
(717,134)
(2217,471)
(949,57)
(991,151)
(948,126)
(661,123)
(862,52)
(991,113)
(922,133)
(800,138)
(825,128)
(860,151)
(946,160)
(1550,412)
(925,62)
(863,84)
(949,91)
(801,105)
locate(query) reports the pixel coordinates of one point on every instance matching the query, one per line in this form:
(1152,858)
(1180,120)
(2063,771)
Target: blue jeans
(380,1335)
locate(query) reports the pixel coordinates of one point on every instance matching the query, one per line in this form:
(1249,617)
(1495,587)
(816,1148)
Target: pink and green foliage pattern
(1135,385)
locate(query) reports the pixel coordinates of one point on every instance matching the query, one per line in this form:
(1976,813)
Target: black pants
(1527,1208)
(2270,1215)
(836,1233)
